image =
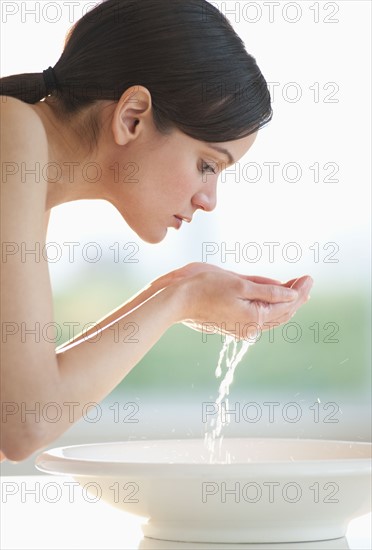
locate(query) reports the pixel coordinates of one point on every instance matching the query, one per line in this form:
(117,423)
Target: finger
(256,278)
(289,284)
(273,315)
(286,318)
(270,293)
(278,313)
(261,280)
(302,284)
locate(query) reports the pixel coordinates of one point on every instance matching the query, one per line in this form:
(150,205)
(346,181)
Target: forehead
(235,149)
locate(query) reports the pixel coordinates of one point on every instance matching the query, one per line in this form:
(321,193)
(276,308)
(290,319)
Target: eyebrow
(222,150)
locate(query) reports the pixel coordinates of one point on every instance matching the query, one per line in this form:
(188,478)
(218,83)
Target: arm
(118,313)
(155,286)
(32,373)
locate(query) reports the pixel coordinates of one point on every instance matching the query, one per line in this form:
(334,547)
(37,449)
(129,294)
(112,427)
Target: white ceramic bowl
(274,490)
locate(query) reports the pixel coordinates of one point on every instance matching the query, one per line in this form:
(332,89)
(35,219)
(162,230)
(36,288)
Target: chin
(152,237)
(145,234)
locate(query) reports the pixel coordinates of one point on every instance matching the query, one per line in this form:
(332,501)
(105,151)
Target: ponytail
(28,87)
(185,52)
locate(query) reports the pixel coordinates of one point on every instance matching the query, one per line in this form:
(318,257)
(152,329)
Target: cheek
(170,190)
(184,183)
(167,181)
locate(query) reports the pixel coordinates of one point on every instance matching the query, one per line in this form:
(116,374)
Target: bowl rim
(53,461)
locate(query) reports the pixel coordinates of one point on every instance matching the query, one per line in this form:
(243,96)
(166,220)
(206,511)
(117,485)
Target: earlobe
(134,106)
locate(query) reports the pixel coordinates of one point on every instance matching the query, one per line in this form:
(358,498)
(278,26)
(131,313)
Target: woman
(167,86)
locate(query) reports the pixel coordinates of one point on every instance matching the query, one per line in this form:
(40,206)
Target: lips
(183,219)
(177,222)
(179,219)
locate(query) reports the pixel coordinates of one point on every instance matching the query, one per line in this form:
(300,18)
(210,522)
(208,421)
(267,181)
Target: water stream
(231,354)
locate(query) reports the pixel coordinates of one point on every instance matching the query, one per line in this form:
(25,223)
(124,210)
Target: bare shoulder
(10,104)
(24,154)
(28,363)
(21,128)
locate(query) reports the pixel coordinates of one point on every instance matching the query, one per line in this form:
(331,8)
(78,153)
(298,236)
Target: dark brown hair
(185,52)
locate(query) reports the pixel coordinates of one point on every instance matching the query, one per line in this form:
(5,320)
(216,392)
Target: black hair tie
(50,80)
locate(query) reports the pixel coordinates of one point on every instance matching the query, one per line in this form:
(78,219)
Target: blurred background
(304,187)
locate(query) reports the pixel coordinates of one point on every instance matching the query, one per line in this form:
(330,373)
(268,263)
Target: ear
(133,108)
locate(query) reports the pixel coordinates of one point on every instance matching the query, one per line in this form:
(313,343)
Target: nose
(207,198)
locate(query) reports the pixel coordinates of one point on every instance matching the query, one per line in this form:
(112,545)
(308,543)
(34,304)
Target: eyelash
(207,168)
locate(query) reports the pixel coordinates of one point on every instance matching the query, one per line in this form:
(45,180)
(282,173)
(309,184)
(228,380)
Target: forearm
(109,355)
(89,371)
(146,293)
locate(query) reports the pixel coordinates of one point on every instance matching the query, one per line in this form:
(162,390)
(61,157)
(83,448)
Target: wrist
(179,298)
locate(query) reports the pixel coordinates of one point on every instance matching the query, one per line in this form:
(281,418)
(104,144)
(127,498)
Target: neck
(68,150)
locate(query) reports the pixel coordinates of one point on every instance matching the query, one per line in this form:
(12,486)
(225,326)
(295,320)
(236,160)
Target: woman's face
(157,180)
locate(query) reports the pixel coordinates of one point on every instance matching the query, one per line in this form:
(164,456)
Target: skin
(165,166)
(176,176)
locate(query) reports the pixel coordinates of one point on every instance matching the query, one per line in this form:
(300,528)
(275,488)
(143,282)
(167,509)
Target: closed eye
(207,168)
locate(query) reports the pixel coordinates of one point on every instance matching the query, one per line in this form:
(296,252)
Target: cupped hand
(239,305)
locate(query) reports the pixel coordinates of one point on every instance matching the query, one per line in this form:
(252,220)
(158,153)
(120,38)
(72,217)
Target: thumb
(270,293)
